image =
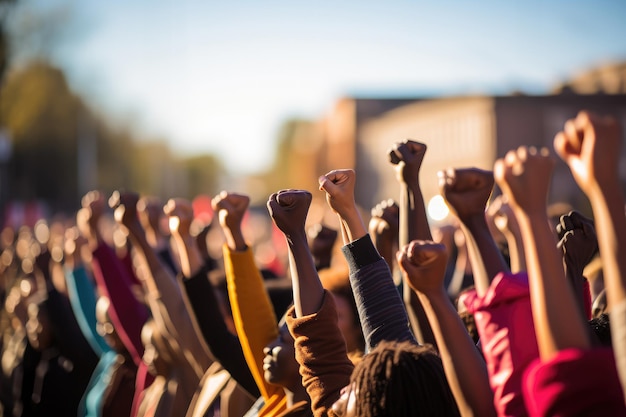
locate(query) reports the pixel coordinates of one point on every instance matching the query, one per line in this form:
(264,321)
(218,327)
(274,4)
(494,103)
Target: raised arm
(501,216)
(467,191)
(591,145)
(252,309)
(578,244)
(323,240)
(407,157)
(524,176)
(166,300)
(423,263)
(203,302)
(127,313)
(384,228)
(288,209)
(381,310)
(320,347)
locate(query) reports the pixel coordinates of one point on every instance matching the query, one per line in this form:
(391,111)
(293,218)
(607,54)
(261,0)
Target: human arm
(423,264)
(252,310)
(288,209)
(524,176)
(501,216)
(127,313)
(590,145)
(467,191)
(407,158)
(383,229)
(164,295)
(322,242)
(204,304)
(578,244)
(381,310)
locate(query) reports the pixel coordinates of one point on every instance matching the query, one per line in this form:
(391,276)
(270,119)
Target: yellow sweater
(255,321)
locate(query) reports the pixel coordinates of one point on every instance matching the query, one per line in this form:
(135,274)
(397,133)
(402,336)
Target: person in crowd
(552,383)
(394,364)
(268,346)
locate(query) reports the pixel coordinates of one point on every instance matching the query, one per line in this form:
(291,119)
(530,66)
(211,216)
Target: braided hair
(402,379)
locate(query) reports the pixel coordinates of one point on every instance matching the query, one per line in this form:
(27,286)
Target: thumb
(326,184)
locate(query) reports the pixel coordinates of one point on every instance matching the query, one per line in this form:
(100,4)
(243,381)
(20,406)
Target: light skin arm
(288,209)
(423,263)
(467,191)
(524,176)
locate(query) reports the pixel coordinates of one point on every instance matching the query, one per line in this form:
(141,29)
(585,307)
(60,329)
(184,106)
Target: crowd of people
(510,310)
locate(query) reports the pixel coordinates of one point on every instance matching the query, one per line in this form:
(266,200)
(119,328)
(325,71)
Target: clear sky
(222,76)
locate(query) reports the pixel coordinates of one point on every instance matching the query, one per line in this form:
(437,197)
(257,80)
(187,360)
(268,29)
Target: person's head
(279,365)
(156,353)
(398,379)
(601,327)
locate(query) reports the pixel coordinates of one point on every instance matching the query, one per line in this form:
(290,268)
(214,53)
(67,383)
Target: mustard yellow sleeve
(254,319)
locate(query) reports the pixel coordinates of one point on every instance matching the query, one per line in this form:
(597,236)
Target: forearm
(485,257)
(234,238)
(190,258)
(308,292)
(464,367)
(381,311)
(608,210)
(516,251)
(416,223)
(353,227)
(558,325)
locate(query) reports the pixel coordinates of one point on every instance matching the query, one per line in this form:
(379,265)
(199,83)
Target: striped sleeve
(381,310)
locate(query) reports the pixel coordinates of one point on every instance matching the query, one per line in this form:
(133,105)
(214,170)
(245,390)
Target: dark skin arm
(180,214)
(288,209)
(339,188)
(407,158)
(591,146)
(323,240)
(524,175)
(231,208)
(501,216)
(383,228)
(578,244)
(423,263)
(467,191)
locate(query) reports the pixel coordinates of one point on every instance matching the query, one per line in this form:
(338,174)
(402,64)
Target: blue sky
(222,76)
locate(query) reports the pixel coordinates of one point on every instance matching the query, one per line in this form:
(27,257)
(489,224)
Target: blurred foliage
(5,6)
(61,149)
(41,114)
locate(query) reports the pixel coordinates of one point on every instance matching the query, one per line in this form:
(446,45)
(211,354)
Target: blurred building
(461,132)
